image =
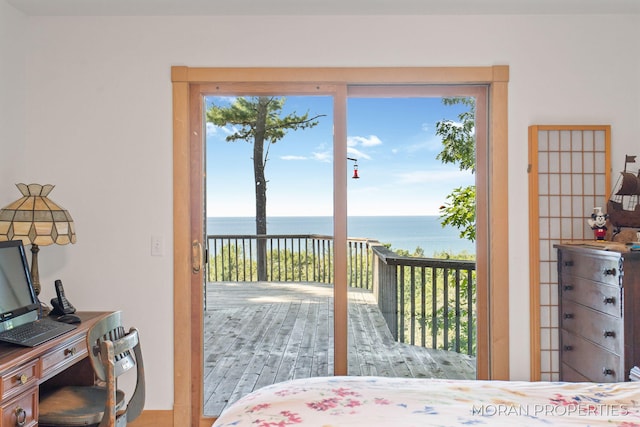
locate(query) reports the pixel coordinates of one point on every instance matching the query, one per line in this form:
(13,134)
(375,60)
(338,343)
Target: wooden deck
(256,334)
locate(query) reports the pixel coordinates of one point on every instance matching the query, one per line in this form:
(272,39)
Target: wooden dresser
(24,372)
(599,311)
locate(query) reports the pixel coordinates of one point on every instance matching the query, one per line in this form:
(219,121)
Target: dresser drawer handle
(609,334)
(568,263)
(568,348)
(70,351)
(568,315)
(568,287)
(22,379)
(607,371)
(610,271)
(21,416)
(609,300)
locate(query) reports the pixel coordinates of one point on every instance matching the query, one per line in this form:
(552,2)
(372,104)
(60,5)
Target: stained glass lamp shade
(37,220)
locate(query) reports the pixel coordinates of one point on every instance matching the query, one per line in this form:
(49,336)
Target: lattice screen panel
(569,176)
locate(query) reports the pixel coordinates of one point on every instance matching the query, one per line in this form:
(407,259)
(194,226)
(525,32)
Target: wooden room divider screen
(569,175)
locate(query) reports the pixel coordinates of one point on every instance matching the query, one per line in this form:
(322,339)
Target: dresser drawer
(589,360)
(21,410)
(602,329)
(571,375)
(19,379)
(599,296)
(592,267)
(62,356)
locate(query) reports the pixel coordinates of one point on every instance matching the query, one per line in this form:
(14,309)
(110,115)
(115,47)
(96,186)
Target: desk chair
(110,351)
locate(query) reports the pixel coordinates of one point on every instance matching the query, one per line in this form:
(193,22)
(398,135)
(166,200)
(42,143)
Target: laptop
(21,320)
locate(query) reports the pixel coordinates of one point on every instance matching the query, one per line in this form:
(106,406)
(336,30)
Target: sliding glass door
(276,276)
(196,258)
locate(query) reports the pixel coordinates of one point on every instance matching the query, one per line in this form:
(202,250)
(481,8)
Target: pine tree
(258,120)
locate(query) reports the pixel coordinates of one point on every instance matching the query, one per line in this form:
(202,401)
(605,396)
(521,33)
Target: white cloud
(290,157)
(460,125)
(211,129)
(229,130)
(353,152)
(324,156)
(432,144)
(227,99)
(371,141)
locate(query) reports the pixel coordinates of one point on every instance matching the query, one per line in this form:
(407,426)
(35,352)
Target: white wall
(12,100)
(98,107)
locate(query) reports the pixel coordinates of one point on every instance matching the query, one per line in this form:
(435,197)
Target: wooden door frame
(493,271)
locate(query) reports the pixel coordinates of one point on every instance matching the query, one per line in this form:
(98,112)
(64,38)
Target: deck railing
(425,301)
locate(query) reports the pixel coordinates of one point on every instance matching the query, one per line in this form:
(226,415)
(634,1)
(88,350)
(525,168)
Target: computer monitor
(18,302)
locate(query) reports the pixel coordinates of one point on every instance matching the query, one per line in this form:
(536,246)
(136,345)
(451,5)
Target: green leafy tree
(258,120)
(459,143)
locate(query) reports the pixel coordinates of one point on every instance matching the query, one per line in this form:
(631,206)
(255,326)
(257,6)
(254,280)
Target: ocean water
(402,232)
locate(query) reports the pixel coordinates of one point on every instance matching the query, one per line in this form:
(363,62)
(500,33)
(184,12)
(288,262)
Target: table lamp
(35,219)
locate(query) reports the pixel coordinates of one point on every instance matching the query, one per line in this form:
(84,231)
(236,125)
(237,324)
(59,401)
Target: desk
(25,371)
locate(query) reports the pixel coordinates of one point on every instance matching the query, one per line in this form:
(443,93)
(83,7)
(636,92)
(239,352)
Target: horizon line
(322,216)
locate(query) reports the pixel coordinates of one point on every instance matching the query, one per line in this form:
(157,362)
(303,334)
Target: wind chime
(355,167)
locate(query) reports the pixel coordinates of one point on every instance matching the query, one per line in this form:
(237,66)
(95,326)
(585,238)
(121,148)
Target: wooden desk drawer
(62,356)
(21,411)
(599,296)
(596,268)
(19,379)
(602,329)
(589,360)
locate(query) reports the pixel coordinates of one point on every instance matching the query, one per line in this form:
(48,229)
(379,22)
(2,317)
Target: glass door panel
(268,293)
(411,274)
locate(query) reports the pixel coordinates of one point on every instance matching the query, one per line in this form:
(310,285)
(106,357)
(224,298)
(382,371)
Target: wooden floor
(256,334)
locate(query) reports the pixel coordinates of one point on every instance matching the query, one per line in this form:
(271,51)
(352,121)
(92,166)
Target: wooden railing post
(385,283)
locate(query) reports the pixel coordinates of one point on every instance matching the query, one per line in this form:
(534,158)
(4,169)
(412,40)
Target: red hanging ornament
(355,167)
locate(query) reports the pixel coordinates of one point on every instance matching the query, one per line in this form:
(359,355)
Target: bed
(408,402)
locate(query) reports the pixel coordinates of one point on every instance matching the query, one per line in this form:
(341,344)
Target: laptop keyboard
(36,332)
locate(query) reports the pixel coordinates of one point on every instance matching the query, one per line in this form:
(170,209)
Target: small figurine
(598,223)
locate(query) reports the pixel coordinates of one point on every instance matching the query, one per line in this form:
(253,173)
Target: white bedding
(402,402)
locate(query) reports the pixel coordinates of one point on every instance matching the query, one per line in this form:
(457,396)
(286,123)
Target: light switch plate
(157,246)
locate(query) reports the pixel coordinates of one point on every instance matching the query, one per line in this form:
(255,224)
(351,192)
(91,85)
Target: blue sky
(393,139)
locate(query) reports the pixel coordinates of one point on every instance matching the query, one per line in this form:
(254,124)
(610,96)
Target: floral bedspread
(403,402)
